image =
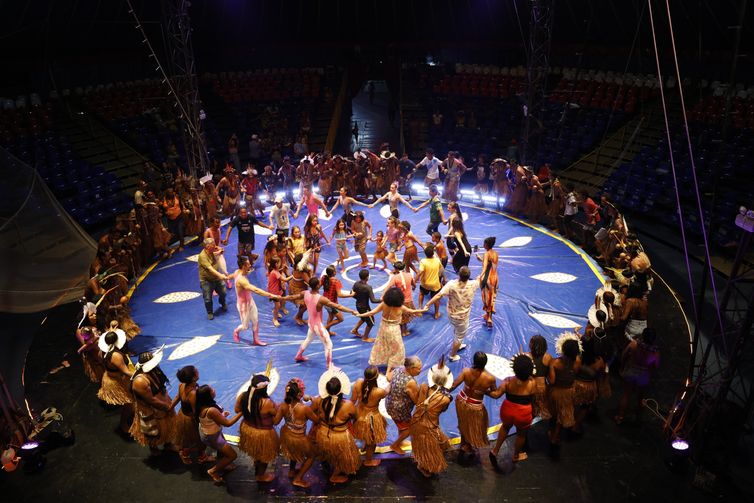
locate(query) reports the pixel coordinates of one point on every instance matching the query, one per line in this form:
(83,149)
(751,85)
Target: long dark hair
(251,408)
(370,381)
(333,394)
(329,273)
(537,346)
(293,391)
(204,399)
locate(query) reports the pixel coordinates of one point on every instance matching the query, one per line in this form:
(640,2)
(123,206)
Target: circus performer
(247,308)
(341,236)
(311,201)
(561,375)
(406,283)
(258,436)
(460,293)
(335,443)
(294,442)
(314,303)
(299,283)
(369,427)
(361,230)
(473,419)
(314,235)
(212,418)
(388,349)
(541,358)
(428,441)
(488,278)
(516,410)
(462,254)
(347,202)
(115,388)
(393,199)
(230,184)
(154,419)
(88,336)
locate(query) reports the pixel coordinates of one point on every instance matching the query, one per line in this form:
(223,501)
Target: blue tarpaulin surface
(192,339)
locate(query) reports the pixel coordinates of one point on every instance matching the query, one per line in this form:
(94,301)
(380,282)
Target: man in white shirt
(570,210)
(432,164)
(460,293)
(279,216)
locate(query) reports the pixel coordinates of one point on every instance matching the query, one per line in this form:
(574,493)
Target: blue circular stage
(546,285)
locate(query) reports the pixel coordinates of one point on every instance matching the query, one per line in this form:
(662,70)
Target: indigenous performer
(369,427)
(536,205)
(154,421)
(232,195)
(640,358)
(247,308)
(194,219)
(401,397)
(541,358)
(499,176)
(287,174)
(473,419)
(517,201)
(393,199)
(557,205)
(211,419)
(635,308)
(174,217)
(585,392)
(88,336)
(454,168)
(259,440)
(488,279)
(186,425)
(390,167)
(428,441)
(346,202)
(295,243)
(210,197)
(388,348)
(380,252)
(251,187)
(294,443)
(361,230)
(460,293)
(116,385)
(409,243)
(311,201)
(406,283)
(561,375)
(158,233)
(314,302)
(516,409)
(334,441)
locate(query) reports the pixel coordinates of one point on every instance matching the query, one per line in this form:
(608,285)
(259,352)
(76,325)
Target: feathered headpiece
(565,336)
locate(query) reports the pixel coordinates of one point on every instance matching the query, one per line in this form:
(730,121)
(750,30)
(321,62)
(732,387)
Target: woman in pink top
(312,203)
(247,308)
(314,302)
(406,283)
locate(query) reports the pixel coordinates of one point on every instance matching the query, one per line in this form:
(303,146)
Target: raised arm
(333,305)
(221,418)
(458,380)
(372,312)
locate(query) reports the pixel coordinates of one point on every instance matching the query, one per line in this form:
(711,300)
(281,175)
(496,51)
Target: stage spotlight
(242,203)
(679,444)
(32,457)
(679,452)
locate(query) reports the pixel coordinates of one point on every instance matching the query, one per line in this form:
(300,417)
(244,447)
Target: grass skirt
(261,445)
(473,422)
(540,404)
(584,392)
(186,431)
(338,449)
(371,428)
(165,422)
(115,390)
(429,443)
(93,367)
(561,405)
(295,445)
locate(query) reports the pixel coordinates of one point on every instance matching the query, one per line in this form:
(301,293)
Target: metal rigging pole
(538,66)
(179,74)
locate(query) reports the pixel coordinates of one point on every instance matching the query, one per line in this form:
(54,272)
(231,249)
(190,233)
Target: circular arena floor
(546,285)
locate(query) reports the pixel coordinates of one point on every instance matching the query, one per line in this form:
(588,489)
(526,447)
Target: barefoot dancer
(294,442)
(314,302)
(370,427)
(473,418)
(247,308)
